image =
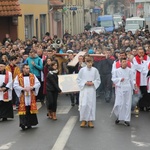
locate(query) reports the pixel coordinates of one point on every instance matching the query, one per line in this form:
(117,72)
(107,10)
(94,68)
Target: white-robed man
(88,80)
(6,109)
(124,80)
(26,86)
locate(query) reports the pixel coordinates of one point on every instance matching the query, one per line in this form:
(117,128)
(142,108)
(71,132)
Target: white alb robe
(18,89)
(87,98)
(8,85)
(123,92)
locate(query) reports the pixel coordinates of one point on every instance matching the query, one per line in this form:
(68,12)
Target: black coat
(52,82)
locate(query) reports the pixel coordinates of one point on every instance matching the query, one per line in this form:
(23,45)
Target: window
(74,2)
(106,23)
(28,20)
(42,25)
(67,2)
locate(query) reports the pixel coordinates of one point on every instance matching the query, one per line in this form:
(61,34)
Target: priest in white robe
(88,80)
(6,109)
(140,62)
(124,80)
(26,86)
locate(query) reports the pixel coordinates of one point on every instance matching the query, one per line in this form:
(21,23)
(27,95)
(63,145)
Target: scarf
(53,71)
(22,107)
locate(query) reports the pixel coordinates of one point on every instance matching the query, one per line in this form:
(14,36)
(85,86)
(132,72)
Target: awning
(56,3)
(10,8)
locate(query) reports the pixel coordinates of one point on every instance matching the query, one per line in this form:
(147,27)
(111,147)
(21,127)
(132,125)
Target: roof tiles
(10,8)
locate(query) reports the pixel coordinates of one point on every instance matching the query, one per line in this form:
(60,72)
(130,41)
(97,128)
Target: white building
(140,8)
(73,16)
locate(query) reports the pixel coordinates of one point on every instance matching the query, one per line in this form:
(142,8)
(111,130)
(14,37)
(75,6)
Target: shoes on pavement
(126,123)
(4,119)
(54,116)
(23,127)
(83,124)
(90,124)
(117,121)
(72,104)
(50,114)
(29,127)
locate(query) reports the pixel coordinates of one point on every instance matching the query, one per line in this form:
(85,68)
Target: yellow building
(34,20)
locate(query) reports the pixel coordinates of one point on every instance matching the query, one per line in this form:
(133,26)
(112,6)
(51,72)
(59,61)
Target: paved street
(66,134)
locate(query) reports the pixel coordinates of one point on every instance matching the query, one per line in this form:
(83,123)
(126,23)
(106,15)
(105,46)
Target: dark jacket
(45,71)
(1,54)
(106,66)
(52,82)
(71,69)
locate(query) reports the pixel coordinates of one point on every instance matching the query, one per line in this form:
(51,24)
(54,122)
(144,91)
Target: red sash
(118,64)
(149,66)
(5,95)
(138,74)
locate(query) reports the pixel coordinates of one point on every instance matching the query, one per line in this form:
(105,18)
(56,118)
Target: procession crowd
(29,73)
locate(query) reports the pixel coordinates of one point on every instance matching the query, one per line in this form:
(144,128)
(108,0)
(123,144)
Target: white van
(136,20)
(118,20)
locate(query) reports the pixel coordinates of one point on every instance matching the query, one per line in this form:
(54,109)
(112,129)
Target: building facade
(73,16)
(56,19)
(34,20)
(141,8)
(9,12)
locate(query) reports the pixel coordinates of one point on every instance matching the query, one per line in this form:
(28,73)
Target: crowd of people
(122,60)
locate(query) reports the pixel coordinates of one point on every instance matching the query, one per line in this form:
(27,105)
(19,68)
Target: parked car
(132,27)
(98,30)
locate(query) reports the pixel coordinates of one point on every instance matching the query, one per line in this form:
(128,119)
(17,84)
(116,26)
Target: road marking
(137,143)
(133,131)
(6,146)
(65,133)
(63,109)
(141,144)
